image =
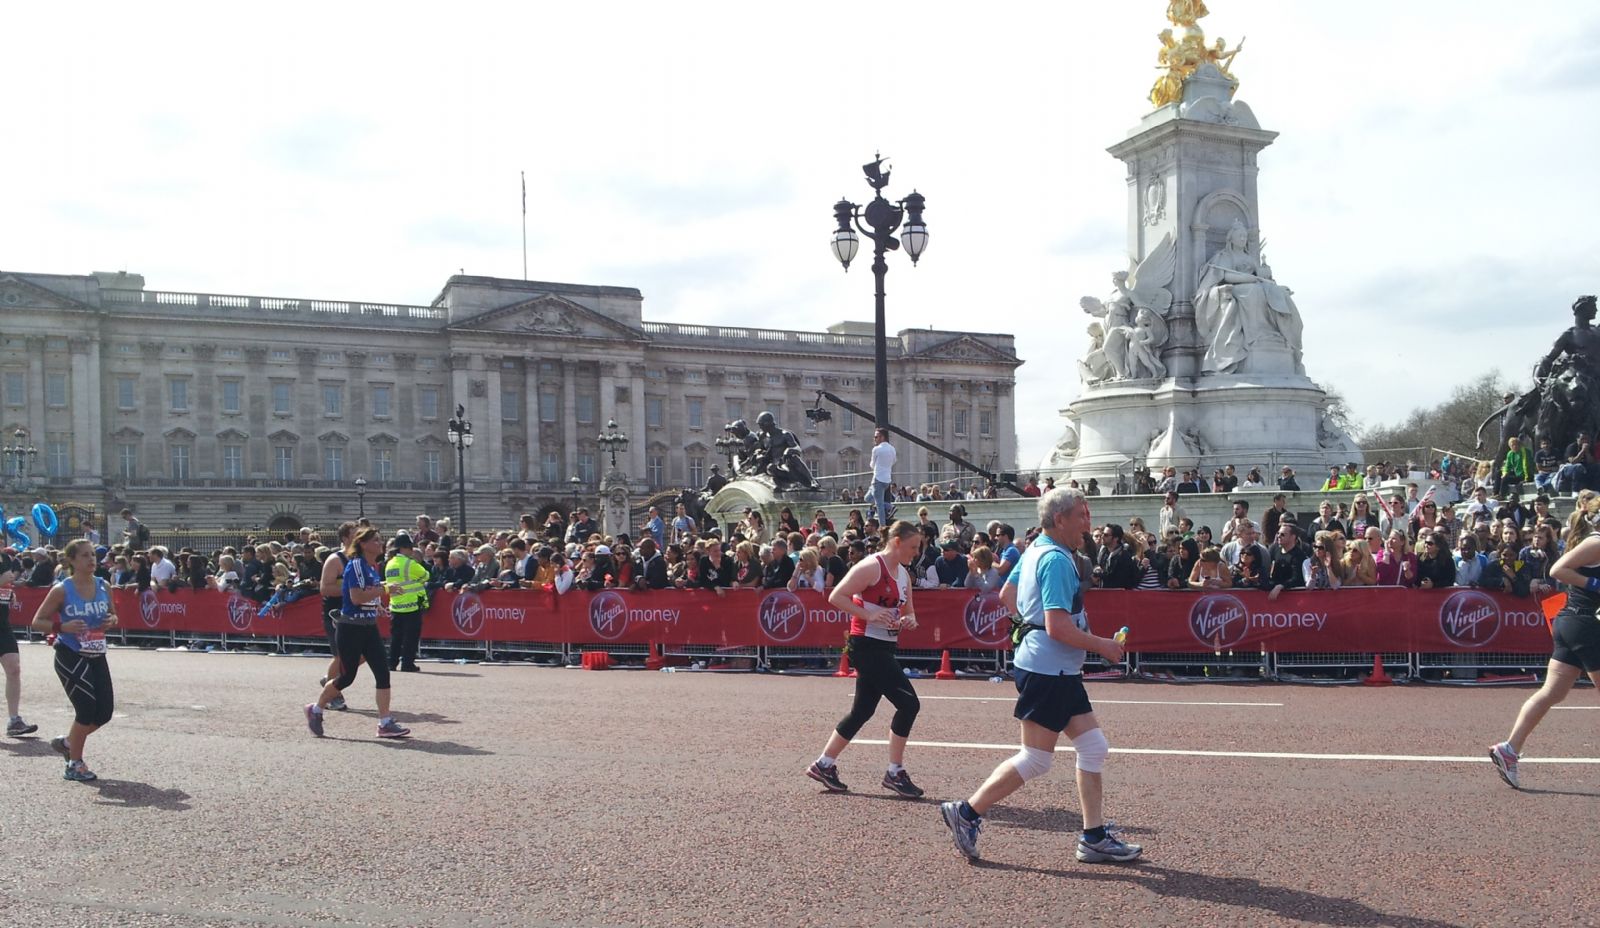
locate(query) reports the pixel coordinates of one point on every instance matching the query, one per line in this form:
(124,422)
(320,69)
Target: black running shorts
(1050,700)
(1577,640)
(8,639)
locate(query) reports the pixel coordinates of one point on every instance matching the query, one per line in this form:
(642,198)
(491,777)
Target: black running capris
(355,644)
(878,676)
(1576,638)
(87,681)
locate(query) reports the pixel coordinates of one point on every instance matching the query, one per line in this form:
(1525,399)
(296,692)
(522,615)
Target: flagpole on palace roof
(524,225)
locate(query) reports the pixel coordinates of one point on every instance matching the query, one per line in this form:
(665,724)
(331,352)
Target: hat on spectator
(100,550)
(952,544)
(402,541)
(322,552)
(602,549)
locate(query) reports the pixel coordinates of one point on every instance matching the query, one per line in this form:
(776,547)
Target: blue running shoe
(962,829)
(79,772)
(1109,849)
(314,719)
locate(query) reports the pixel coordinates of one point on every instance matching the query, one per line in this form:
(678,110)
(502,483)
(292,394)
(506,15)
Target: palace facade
(206,411)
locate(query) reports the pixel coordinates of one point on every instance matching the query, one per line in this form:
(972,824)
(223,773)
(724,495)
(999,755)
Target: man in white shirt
(883,458)
(161,567)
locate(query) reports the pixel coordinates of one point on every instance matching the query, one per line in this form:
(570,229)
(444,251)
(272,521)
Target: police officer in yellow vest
(406,606)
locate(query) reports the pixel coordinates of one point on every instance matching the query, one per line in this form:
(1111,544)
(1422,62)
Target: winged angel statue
(1131,325)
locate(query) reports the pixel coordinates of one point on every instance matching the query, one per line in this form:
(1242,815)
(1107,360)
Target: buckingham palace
(205,411)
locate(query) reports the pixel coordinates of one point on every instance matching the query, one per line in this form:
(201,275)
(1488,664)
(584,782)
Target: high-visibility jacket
(413,580)
(1349,481)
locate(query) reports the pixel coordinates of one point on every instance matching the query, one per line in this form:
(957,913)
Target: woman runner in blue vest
(78,610)
(357,636)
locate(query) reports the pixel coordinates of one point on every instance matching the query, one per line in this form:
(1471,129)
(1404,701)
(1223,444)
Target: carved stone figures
(1132,328)
(1249,322)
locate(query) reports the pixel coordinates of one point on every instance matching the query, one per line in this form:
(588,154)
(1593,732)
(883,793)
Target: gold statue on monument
(1179,59)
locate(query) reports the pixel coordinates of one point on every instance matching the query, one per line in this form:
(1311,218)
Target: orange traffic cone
(1378,677)
(657,659)
(845,670)
(946,672)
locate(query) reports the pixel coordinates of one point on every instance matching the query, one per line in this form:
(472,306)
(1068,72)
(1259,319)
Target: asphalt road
(533,796)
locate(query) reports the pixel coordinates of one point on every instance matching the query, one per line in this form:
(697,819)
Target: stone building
(208,411)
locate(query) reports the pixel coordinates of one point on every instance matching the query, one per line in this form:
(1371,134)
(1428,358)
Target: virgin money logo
(782,615)
(1469,618)
(467,614)
(239,612)
(1219,621)
(608,615)
(149,609)
(987,619)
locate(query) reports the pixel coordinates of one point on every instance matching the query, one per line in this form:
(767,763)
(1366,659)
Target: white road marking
(1124,702)
(1261,755)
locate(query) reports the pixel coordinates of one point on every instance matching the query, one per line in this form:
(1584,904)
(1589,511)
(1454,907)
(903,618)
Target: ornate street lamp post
(727,445)
(459,431)
(361,497)
(576,485)
(19,457)
(884,218)
(613,441)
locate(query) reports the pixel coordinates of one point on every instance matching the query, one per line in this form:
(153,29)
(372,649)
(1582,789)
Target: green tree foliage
(1451,425)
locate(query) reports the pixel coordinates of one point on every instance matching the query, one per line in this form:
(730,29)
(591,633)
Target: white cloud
(1428,198)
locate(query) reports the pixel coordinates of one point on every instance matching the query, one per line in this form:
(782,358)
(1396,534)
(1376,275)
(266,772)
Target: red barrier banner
(1358,619)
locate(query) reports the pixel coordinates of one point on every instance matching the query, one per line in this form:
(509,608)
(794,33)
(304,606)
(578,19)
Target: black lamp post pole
(882,219)
(459,431)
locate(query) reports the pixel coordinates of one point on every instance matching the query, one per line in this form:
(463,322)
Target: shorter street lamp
(19,455)
(361,497)
(576,485)
(727,445)
(459,431)
(613,441)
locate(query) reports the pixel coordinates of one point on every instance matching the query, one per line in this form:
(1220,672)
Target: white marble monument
(1195,359)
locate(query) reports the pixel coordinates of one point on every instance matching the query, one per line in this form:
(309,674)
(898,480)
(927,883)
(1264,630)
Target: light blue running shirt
(1047,578)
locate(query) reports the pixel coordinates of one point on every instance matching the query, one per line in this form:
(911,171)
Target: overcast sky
(1431,197)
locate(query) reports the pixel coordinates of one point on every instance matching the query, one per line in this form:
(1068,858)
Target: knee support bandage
(1032,762)
(1092,748)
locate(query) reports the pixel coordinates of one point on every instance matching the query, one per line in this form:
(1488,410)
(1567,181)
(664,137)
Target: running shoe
(78,771)
(962,829)
(901,783)
(338,704)
(59,745)
(16,728)
(828,776)
(393,729)
(1109,849)
(1505,763)
(314,719)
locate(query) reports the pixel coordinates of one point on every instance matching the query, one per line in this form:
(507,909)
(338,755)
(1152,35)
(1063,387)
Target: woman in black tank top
(1575,633)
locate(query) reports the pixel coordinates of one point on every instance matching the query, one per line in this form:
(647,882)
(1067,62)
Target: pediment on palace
(548,316)
(966,348)
(17,293)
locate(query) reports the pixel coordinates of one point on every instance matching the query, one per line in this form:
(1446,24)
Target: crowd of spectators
(1381,539)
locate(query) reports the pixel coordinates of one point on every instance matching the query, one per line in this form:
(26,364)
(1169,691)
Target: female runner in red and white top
(877,594)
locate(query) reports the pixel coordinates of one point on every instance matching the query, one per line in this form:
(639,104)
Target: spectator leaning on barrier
(1321,570)
(1285,559)
(1245,540)
(1114,565)
(780,568)
(1333,482)
(1397,566)
(1435,567)
(1359,567)
(1287,482)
